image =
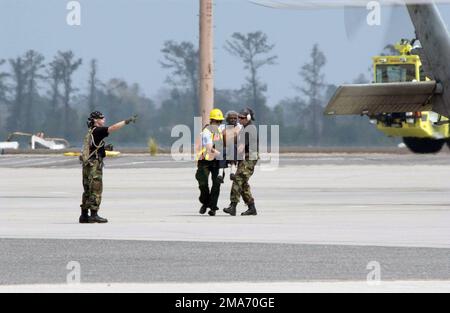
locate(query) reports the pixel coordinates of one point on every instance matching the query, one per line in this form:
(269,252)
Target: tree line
(40,95)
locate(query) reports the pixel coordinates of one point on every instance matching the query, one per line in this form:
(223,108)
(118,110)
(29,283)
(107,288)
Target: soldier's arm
(116,127)
(119,125)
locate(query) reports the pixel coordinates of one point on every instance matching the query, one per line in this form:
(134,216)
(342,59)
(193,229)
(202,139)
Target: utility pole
(206,60)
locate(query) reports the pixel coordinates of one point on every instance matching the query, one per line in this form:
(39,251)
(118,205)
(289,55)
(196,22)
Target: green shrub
(152,146)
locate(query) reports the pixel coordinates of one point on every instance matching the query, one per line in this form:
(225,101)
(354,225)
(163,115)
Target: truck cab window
(396,73)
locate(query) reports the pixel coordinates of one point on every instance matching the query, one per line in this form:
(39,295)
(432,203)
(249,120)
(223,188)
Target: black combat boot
(212,212)
(231,209)
(98,219)
(251,210)
(85,218)
(203,209)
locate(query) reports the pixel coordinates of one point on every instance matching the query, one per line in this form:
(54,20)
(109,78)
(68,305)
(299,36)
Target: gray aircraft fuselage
(434,37)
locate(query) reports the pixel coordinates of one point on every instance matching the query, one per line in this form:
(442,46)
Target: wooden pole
(206,60)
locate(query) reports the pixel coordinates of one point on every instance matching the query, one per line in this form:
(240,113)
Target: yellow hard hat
(216,115)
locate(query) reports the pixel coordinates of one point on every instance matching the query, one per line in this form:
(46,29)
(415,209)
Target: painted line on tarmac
(181,237)
(53,162)
(240,287)
(23,161)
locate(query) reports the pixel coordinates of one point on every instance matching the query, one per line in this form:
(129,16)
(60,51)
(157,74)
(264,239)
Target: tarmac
(323,219)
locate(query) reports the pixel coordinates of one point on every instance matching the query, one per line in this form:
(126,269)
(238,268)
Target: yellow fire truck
(422,132)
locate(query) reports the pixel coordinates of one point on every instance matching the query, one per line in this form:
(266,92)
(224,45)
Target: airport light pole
(206,60)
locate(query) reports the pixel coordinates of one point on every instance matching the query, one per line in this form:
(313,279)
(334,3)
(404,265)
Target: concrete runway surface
(323,218)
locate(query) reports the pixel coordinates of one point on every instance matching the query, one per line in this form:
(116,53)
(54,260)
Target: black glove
(131,119)
(109,147)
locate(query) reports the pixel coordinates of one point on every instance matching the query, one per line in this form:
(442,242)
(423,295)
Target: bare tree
(15,120)
(54,76)
(93,82)
(68,65)
(255,52)
(3,90)
(183,61)
(313,88)
(3,85)
(33,66)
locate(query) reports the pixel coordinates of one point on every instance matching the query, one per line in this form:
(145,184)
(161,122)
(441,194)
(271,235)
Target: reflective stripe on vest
(217,137)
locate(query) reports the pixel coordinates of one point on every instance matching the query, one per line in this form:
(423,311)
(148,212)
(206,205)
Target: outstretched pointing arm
(119,125)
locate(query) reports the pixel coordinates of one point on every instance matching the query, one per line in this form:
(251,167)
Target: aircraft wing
(370,99)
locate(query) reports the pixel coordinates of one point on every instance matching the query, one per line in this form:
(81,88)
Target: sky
(126,36)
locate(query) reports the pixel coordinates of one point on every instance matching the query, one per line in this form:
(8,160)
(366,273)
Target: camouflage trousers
(93,185)
(241,186)
(208,197)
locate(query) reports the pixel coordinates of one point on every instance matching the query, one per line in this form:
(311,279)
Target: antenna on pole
(206,60)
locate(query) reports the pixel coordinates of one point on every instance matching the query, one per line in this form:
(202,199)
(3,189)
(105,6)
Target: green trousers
(93,185)
(241,187)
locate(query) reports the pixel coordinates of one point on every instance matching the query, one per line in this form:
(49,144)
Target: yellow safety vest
(217,139)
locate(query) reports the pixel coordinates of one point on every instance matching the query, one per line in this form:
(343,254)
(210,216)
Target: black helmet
(96,115)
(248,114)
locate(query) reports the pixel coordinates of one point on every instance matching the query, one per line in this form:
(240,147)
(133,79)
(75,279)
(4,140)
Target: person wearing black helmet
(248,155)
(91,158)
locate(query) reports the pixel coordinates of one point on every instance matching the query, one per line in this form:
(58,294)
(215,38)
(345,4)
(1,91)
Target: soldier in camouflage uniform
(93,189)
(92,159)
(248,158)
